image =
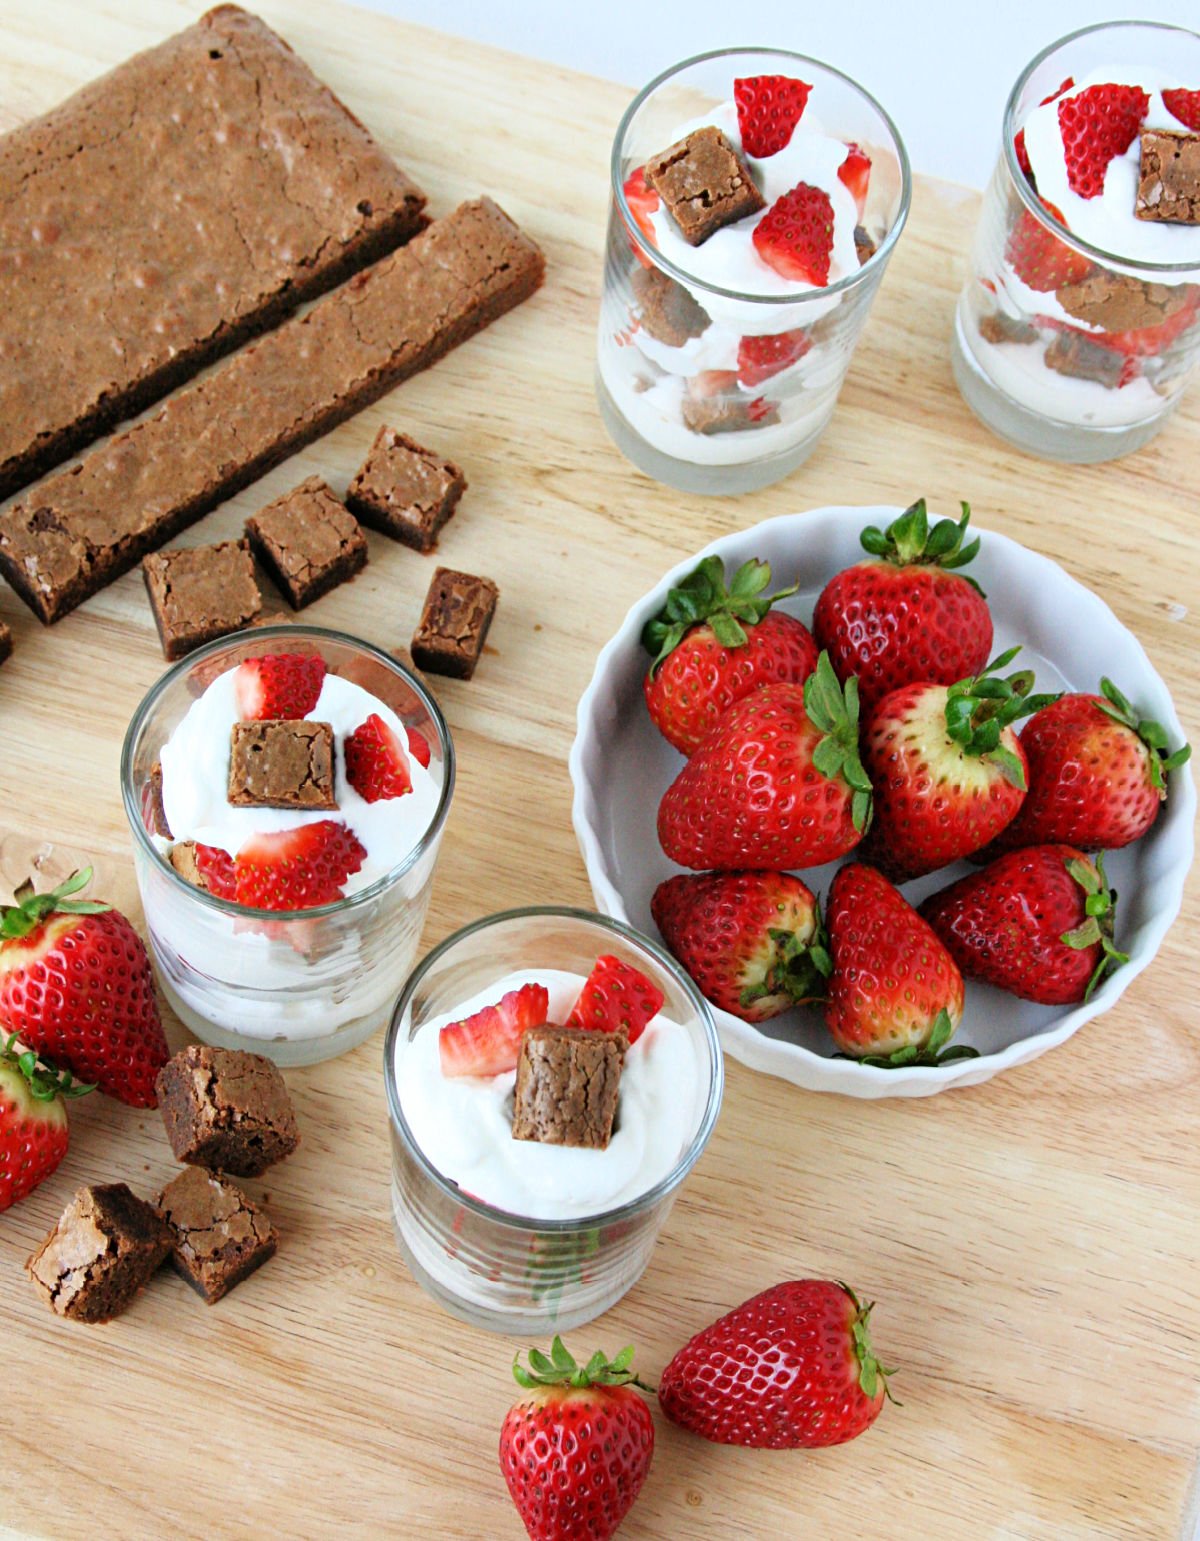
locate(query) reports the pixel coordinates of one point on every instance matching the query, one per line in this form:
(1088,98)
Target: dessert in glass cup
(756,199)
(287,789)
(1079,324)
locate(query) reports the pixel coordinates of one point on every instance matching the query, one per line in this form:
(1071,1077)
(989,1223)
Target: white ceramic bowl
(620,766)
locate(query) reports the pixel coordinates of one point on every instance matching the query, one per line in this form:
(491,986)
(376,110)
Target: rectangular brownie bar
(78,530)
(308,540)
(165,213)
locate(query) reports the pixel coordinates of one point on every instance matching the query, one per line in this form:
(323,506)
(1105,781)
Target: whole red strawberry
(576,1449)
(33,1120)
(948,769)
(751,941)
(907,615)
(895,995)
(1036,922)
(795,235)
(76,986)
(712,646)
(1097,773)
(1096,125)
(791,1369)
(777,784)
(768,109)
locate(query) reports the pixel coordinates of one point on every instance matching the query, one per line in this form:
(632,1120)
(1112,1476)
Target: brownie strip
(158,218)
(84,527)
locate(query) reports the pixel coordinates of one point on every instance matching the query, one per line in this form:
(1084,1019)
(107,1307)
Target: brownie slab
(6,642)
(165,213)
(704,184)
(226,1110)
(200,593)
(1169,177)
(278,764)
(219,1236)
(405,490)
(105,1246)
(454,623)
(80,529)
(568,1082)
(308,541)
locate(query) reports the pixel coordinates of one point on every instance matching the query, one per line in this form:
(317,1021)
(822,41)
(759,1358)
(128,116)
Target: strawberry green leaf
(909,540)
(703,597)
(30,909)
(832,708)
(561,1369)
(1152,734)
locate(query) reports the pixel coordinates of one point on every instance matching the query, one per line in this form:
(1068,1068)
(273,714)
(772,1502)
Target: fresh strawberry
(33,1120)
(1037,923)
(761,357)
(795,235)
(1098,124)
(376,762)
(489,1041)
(76,986)
(1184,105)
(1097,773)
(712,646)
(855,175)
(895,995)
(576,1449)
(642,202)
(418,746)
(616,998)
(778,783)
(791,1369)
(1019,136)
(907,615)
(751,941)
(285,685)
(1039,259)
(218,871)
(768,109)
(297,869)
(948,769)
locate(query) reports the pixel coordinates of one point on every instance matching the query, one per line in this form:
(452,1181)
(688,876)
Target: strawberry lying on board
(33,1120)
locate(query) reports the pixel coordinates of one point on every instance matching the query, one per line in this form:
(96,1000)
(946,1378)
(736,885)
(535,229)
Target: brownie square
(6,642)
(1169,177)
(568,1080)
(308,540)
(105,1246)
(226,1110)
(200,593)
(280,764)
(704,184)
(404,490)
(454,623)
(668,312)
(220,1236)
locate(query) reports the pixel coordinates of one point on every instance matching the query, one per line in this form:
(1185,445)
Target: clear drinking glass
(687,405)
(1027,361)
(502,1270)
(304,985)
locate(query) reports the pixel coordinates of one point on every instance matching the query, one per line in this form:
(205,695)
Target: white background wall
(942,69)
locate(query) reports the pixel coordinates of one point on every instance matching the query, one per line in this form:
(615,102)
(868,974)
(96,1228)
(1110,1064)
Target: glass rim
(632,1207)
(796,297)
(432,832)
(1030,199)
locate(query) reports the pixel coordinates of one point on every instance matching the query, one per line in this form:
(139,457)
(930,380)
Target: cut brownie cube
(1072,354)
(226,1110)
(200,593)
(668,312)
(220,1237)
(308,540)
(6,642)
(404,490)
(454,623)
(105,1246)
(280,764)
(704,184)
(997,327)
(568,1081)
(1169,177)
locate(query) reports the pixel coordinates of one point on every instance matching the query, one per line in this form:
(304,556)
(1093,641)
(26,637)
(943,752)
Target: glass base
(686,475)
(1035,433)
(285,1052)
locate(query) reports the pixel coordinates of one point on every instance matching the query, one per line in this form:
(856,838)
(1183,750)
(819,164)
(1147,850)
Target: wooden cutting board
(1032,1243)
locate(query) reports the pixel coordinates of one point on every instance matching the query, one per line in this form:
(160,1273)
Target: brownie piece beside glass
(308,540)
(454,623)
(405,490)
(200,593)
(226,1110)
(103,1249)
(219,1235)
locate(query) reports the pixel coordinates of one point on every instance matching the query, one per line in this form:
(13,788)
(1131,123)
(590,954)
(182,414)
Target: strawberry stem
(1100,908)
(561,1369)
(30,909)
(832,708)
(702,596)
(1152,734)
(45,1081)
(979,709)
(870,1370)
(798,970)
(909,541)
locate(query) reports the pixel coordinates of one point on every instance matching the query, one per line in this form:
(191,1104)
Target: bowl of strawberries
(905,799)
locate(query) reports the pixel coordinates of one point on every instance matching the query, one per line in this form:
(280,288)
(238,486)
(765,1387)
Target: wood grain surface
(1032,1243)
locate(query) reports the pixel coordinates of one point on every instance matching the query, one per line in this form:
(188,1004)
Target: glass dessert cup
(672,402)
(1036,372)
(299,986)
(502,1270)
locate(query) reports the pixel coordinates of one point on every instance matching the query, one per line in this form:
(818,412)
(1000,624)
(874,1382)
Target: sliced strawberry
(1184,105)
(768,109)
(1098,124)
(616,998)
(295,869)
(855,174)
(761,357)
(643,202)
(217,869)
(1040,259)
(286,685)
(376,764)
(418,746)
(489,1041)
(795,235)
(1019,136)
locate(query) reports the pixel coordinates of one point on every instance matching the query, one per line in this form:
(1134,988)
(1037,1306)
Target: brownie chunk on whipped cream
(226,1110)
(1169,177)
(219,1236)
(280,764)
(704,183)
(104,1248)
(568,1081)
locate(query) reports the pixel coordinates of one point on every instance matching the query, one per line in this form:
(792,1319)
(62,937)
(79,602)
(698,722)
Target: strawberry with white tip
(279,685)
(33,1120)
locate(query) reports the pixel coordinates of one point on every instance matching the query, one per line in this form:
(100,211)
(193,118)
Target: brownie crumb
(454,623)
(104,1248)
(864,247)
(308,540)
(154,814)
(200,593)
(219,1236)
(704,184)
(226,1110)
(568,1081)
(404,490)
(281,764)
(1169,177)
